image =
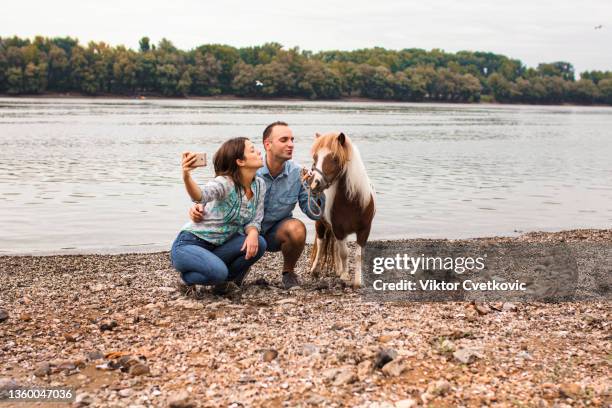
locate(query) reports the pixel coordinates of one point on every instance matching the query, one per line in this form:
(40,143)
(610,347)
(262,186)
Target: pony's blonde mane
(357,180)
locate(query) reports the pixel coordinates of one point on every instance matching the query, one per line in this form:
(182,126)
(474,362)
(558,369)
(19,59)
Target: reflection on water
(88,174)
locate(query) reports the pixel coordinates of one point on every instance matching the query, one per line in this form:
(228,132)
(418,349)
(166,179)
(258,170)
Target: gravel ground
(115,329)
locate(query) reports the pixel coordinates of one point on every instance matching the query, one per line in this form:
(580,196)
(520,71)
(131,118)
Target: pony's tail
(326,262)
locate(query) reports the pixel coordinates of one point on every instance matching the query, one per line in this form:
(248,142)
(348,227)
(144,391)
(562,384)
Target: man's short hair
(268,130)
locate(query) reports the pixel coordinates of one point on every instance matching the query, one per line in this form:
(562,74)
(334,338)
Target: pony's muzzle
(315,185)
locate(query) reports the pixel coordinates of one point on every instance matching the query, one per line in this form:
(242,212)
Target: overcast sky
(531,30)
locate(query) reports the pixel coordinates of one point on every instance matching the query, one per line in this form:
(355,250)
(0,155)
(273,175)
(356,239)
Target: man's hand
(251,243)
(196,213)
(306,174)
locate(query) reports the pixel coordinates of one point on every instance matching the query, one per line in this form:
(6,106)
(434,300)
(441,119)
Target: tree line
(62,65)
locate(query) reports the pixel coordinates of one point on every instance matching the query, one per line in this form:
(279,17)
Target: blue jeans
(203,263)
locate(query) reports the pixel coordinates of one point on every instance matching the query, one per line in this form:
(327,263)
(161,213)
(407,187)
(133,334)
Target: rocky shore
(115,329)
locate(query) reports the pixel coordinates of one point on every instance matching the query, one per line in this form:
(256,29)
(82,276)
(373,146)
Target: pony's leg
(358,268)
(318,248)
(342,264)
(362,239)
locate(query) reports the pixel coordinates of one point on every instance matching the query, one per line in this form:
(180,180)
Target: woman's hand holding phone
(192,161)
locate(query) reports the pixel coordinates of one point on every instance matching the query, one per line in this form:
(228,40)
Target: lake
(103,175)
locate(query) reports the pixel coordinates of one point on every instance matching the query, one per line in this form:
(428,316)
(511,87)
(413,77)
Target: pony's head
(330,153)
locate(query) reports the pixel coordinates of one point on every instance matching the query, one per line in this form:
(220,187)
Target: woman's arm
(191,186)
(213,190)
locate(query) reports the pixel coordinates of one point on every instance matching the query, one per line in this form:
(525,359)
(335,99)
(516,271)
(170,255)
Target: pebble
(570,390)
(24,317)
(346,376)
(139,369)
(509,307)
(108,326)
(269,355)
(8,384)
(395,368)
(83,400)
(467,355)
(440,388)
(181,400)
(95,355)
(42,370)
(384,356)
(406,403)
(3,315)
(364,369)
(126,392)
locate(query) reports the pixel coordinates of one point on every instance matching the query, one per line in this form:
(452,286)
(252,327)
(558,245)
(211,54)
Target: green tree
(144,44)
(605,90)
(184,84)
(14,80)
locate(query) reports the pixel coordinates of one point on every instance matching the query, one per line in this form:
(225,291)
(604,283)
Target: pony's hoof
(345,277)
(315,273)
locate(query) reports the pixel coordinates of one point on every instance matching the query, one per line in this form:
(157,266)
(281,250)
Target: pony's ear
(317,135)
(341,139)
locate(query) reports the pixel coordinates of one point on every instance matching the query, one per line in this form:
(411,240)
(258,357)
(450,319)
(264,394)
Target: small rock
(316,400)
(509,307)
(395,368)
(467,355)
(3,315)
(384,356)
(269,355)
(330,373)
(344,377)
(440,388)
(70,337)
(482,309)
(310,349)
(24,317)
(95,355)
(83,400)
(364,369)
(407,403)
(524,355)
(570,390)
(167,289)
(126,392)
(7,384)
(286,301)
(108,326)
(42,370)
(181,400)
(139,369)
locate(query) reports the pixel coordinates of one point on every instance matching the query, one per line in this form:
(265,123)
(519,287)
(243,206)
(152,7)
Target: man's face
(279,146)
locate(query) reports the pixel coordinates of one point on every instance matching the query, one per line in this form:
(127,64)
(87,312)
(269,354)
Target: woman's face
(252,156)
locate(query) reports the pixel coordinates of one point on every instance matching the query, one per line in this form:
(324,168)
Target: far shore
(73,95)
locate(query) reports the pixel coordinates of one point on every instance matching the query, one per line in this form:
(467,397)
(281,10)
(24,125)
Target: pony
(339,173)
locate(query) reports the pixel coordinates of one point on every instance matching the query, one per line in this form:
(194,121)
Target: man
(284,190)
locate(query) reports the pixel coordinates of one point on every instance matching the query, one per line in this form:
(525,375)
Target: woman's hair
(225,158)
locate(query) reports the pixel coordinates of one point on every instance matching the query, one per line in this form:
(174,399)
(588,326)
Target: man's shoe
(240,278)
(225,288)
(290,280)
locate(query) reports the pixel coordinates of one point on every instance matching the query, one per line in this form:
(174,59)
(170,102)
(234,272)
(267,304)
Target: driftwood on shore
(115,329)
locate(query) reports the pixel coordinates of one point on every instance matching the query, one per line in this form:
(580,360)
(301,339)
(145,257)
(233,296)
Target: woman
(226,242)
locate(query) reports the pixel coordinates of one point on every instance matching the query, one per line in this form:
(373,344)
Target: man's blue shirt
(283,192)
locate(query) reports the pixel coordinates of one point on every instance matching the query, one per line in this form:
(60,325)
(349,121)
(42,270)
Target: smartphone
(200,160)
